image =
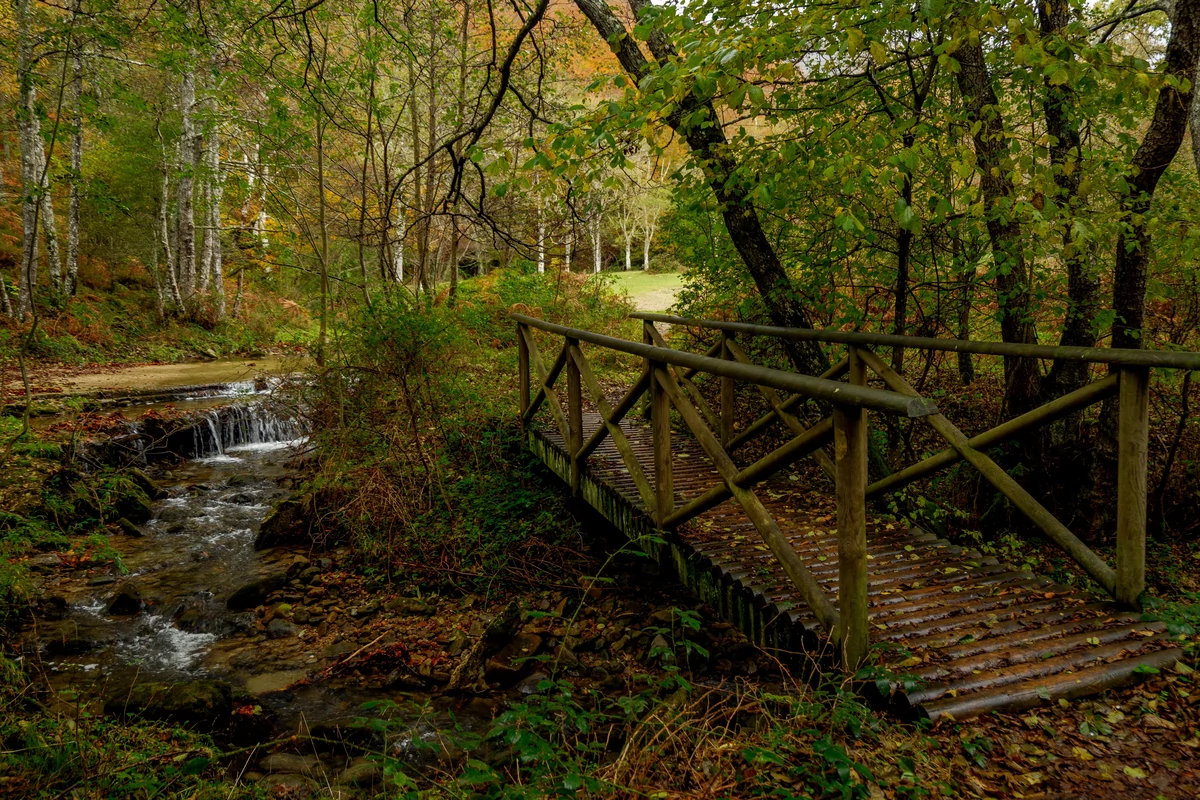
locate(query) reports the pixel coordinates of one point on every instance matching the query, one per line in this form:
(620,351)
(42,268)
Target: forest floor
(650,291)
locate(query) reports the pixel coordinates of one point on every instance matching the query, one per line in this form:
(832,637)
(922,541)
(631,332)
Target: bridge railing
(667,377)
(1128,380)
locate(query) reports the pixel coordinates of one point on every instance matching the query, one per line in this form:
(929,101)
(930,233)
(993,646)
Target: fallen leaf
(1134,772)
(1081,754)
(1155,721)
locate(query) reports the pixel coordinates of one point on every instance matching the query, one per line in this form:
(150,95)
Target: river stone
(255,592)
(281,629)
(143,481)
(291,786)
(410,605)
(173,514)
(189,619)
(127,600)
(508,665)
(291,763)
(363,773)
(45,562)
(52,607)
(270,682)
(134,505)
(289,522)
(66,639)
(205,704)
(129,529)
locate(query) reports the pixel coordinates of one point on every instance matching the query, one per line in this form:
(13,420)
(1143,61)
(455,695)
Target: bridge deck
(963,634)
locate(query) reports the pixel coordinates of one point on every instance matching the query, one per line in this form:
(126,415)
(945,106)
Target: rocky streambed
(218,620)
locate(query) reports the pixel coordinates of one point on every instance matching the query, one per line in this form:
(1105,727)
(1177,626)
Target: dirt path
(96,378)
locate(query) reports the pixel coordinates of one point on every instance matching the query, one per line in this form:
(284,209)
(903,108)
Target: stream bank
(197,625)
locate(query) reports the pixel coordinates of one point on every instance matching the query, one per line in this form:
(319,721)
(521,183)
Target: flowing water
(197,550)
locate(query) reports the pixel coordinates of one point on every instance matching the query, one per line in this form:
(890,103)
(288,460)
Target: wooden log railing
(667,377)
(1128,381)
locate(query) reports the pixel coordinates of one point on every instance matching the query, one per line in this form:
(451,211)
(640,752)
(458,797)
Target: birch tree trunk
(595,233)
(648,226)
(29,131)
(213,236)
(627,232)
(186,226)
(541,239)
(49,227)
(567,247)
(164,229)
(398,248)
(72,276)
(204,139)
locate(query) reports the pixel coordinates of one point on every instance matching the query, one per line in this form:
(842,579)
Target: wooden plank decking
(956,633)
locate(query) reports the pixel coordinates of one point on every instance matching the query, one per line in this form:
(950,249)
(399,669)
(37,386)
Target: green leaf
(1043,692)
(194,766)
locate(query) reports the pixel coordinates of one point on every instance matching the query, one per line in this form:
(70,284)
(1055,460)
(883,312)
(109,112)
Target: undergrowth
(419,451)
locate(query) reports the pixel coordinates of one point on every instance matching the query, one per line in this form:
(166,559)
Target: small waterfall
(240,424)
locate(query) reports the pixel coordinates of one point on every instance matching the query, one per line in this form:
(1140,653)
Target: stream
(195,552)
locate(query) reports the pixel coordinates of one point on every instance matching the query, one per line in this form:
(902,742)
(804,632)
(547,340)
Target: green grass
(650,291)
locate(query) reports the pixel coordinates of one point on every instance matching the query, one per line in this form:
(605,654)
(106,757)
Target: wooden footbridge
(931,628)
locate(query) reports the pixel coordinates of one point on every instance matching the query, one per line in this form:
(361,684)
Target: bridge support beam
(850,451)
(1132,435)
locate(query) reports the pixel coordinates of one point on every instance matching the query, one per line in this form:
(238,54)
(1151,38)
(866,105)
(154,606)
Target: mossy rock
(289,522)
(132,504)
(206,705)
(255,593)
(145,483)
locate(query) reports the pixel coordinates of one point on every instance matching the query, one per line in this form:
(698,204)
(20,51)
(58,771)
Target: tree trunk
(237,298)
(647,235)
(1013,275)
(903,254)
(72,276)
(323,255)
(29,128)
(422,242)
(1155,153)
(699,125)
(1083,287)
(541,239)
(49,227)
(595,233)
(567,247)
(215,194)
(186,224)
(362,195)
(164,230)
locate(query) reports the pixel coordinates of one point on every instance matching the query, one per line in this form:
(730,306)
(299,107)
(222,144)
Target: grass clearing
(650,291)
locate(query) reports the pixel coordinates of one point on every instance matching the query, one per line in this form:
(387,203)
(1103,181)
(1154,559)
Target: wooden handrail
(1097,355)
(817,388)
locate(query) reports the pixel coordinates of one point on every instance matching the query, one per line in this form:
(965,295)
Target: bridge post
(727,396)
(574,416)
(523,367)
(1132,434)
(660,428)
(850,451)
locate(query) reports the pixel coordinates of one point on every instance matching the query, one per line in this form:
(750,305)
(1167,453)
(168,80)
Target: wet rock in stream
(255,593)
(204,704)
(289,522)
(127,601)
